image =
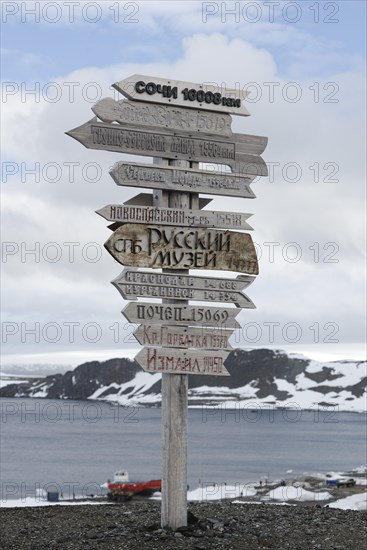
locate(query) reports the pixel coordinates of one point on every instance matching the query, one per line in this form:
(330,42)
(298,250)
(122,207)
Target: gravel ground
(136,526)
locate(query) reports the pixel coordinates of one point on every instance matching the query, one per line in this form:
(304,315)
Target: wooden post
(174,402)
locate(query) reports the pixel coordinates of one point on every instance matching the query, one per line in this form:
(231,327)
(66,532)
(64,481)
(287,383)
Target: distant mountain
(258,377)
(33,369)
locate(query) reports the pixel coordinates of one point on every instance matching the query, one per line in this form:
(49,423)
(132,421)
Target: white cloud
(306,212)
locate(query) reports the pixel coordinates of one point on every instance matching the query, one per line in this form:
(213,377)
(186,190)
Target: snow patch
(354,502)
(289,492)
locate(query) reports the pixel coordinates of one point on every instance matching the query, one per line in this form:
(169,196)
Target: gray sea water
(75,446)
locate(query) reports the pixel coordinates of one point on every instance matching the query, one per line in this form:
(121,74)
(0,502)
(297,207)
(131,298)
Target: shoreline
(301,491)
(228,405)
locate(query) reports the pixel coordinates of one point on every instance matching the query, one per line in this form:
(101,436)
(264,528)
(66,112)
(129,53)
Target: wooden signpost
(179,124)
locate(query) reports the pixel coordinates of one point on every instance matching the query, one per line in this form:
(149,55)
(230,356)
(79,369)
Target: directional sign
(242,156)
(183,337)
(174,216)
(178,361)
(132,174)
(171,247)
(209,96)
(130,275)
(163,116)
(134,284)
(204,316)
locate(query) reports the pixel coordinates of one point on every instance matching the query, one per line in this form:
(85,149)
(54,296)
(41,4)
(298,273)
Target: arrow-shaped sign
(132,291)
(134,284)
(172,314)
(242,156)
(178,361)
(207,96)
(163,116)
(170,178)
(175,247)
(172,216)
(183,337)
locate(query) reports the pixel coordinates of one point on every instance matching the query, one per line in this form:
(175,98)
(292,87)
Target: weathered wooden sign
(179,361)
(183,337)
(175,314)
(171,247)
(241,156)
(210,96)
(134,284)
(163,116)
(174,216)
(131,275)
(133,291)
(131,174)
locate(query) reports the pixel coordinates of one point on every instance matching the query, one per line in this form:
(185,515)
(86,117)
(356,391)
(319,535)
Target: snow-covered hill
(258,378)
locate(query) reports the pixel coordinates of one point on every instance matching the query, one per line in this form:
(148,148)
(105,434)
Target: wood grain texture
(174,404)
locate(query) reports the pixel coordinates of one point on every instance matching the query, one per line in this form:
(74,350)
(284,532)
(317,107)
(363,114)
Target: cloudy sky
(303,65)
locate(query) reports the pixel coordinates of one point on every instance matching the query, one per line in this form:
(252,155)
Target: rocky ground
(136,525)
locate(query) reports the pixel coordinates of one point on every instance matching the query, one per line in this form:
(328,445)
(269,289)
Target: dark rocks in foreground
(136,525)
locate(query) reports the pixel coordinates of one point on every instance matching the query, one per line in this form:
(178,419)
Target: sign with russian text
(210,96)
(163,116)
(170,178)
(126,138)
(173,314)
(178,361)
(134,284)
(171,247)
(174,216)
(183,337)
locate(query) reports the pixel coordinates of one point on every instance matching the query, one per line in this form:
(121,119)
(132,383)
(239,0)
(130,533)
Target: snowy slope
(259,377)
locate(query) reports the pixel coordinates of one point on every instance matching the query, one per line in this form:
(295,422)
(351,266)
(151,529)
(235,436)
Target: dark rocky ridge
(257,369)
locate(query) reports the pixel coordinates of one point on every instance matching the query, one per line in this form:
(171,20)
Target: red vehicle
(121,489)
